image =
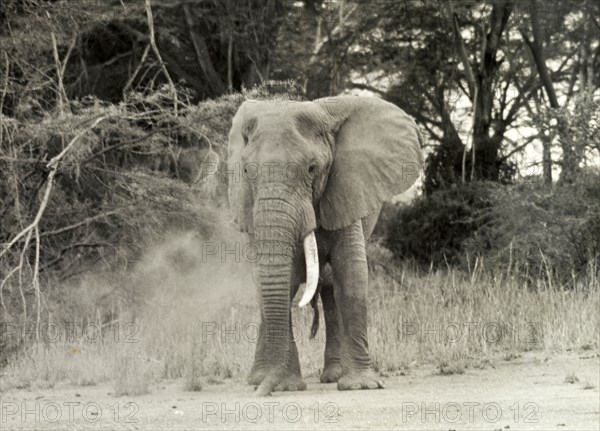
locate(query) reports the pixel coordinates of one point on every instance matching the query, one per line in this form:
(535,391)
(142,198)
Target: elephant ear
(377,155)
(239,191)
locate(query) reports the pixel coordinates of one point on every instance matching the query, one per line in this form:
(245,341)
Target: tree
(462,70)
(208,47)
(438,56)
(574,22)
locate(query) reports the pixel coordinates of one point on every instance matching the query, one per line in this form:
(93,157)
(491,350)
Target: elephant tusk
(311,256)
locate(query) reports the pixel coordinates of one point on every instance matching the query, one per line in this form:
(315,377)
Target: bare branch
(137,70)
(121,145)
(202,53)
(4,87)
(78,224)
(36,279)
(53,166)
(68,55)
(462,51)
(21,260)
(367,87)
(157,53)
(10,274)
(62,94)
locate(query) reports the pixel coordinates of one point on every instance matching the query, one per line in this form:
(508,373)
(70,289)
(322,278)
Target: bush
(433,229)
(545,233)
(127,176)
(525,229)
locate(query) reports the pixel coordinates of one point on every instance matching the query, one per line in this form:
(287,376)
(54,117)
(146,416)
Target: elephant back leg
(332,369)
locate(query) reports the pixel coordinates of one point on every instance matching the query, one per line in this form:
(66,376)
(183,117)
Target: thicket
(527,229)
(90,188)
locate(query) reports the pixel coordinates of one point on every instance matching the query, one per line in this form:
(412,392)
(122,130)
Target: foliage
(209,48)
(541,233)
(526,229)
(96,164)
(434,228)
(92,188)
(463,69)
(449,319)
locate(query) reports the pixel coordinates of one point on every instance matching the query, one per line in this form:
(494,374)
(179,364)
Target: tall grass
(451,319)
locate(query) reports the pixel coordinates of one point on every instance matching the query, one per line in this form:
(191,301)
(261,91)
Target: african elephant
(307,182)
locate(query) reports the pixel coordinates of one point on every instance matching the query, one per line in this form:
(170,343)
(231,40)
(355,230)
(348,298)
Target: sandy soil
(525,393)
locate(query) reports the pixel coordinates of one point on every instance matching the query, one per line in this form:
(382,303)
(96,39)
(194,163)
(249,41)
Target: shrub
(434,228)
(132,177)
(525,229)
(548,233)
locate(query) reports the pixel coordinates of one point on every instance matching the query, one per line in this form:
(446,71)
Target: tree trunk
(202,55)
(547,162)
(485,149)
(230,63)
(484,153)
(570,162)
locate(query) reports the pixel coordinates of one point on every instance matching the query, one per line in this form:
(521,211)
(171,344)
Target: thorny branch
(53,166)
(158,56)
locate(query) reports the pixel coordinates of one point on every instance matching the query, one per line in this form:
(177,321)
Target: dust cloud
(191,277)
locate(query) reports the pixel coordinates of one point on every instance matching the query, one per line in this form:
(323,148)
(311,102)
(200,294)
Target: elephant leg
(350,272)
(293,379)
(332,369)
(260,367)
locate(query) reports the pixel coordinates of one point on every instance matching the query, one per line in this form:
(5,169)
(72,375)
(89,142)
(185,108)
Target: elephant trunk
(280,221)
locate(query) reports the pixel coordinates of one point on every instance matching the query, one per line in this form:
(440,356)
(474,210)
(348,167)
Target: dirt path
(527,393)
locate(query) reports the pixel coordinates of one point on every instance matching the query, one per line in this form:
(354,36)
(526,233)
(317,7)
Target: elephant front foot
(360,380)
(261,379)
(291,383)
(274,381)
(331,373)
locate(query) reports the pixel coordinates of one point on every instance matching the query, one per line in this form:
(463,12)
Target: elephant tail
(315,323)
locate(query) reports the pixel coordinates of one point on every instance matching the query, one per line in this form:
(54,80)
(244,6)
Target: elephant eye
(312,168)
(245,137)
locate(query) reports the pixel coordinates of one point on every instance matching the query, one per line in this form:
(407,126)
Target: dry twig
(137,70)
(158,56)
(53,166)
(62,94)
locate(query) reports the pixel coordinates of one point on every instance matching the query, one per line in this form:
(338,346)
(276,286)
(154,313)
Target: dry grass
(571,378)
(200,327)
(181,317)
(131,375)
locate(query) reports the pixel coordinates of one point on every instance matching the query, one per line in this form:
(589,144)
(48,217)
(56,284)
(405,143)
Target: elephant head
(296,166)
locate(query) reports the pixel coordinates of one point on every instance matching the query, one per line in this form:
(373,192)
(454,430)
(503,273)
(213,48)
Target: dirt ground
(531,392)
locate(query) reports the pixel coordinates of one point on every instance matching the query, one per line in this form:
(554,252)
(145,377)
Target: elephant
(307,181)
